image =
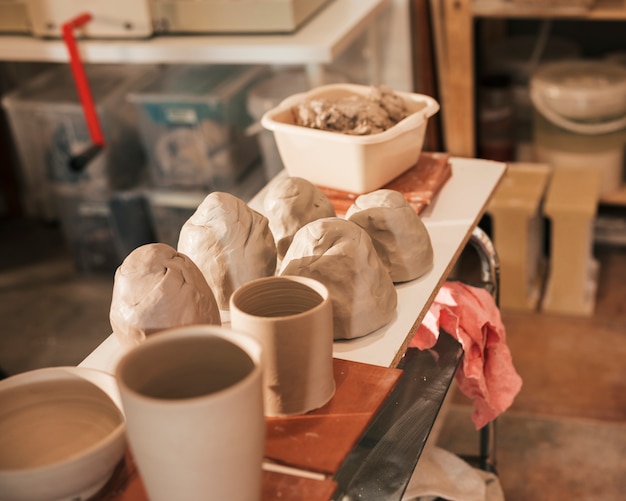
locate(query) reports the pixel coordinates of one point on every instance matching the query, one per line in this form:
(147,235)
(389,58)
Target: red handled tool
(80,161)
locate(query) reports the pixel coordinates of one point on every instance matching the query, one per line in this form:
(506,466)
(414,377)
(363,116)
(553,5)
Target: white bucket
(581,117)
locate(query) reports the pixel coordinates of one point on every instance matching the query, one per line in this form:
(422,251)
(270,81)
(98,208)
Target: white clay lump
(230,242)
(398,233)
(341,255)
(157,288)
(289,204)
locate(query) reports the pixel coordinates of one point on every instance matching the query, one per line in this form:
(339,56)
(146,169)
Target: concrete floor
(50,315)
(564,437)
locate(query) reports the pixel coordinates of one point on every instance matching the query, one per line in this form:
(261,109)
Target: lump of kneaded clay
(157,288)
(398,233)
(380,109)
(341,255)
(289,204)
(230,242)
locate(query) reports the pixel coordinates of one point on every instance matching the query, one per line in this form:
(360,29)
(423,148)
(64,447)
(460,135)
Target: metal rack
(383,461)
(490,281)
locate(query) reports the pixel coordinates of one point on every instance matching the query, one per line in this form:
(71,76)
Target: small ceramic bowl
(357,164)
(61,433)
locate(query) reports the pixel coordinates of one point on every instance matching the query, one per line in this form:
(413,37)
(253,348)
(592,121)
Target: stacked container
(49,130)
(193,122)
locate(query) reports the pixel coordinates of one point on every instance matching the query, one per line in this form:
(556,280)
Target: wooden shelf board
(617,197)
(318,41)
(603,10)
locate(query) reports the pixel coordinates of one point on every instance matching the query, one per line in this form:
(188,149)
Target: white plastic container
(581,117)
(357,164)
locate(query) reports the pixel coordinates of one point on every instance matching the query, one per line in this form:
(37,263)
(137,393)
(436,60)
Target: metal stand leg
(490,280)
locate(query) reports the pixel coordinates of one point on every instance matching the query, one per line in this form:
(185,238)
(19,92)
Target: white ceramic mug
(193,403)
(292,319)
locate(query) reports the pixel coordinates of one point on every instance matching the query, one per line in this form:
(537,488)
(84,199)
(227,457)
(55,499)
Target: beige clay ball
(230,242)
(289,204)
(340,254)
(398,233)
(157,288)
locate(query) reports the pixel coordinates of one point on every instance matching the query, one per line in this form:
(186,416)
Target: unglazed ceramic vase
(61,434)
(292,319)
(195,425)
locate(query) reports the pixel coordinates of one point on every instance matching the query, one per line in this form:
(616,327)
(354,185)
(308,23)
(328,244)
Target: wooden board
(320,440)
(317,441)
(294,488)
(419,185)
(126,485)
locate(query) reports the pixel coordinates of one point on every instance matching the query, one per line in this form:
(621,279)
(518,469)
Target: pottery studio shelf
(411,409)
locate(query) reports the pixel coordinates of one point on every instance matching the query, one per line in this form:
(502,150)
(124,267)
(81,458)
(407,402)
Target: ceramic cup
(292,319)
(193,402)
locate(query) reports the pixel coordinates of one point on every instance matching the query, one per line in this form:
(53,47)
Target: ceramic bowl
(357,164)
(61,434)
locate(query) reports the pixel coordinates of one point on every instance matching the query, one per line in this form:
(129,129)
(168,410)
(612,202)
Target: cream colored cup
(194,409)
(292,319)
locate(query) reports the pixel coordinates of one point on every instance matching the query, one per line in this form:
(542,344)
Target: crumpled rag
(487,374)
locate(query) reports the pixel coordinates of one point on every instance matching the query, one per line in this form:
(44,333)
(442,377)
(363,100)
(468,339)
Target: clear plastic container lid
(56,89)
(197,83)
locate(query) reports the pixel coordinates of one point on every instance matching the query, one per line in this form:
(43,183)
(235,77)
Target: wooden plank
(601,10)
(424,66)
(453,25)
(126,485)
(321,439)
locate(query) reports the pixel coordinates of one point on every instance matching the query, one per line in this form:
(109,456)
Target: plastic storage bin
(193,120)
(48,128)
(100,230)
(347,162)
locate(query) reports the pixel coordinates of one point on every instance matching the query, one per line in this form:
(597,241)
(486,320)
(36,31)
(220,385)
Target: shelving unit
(330,32)
(318,42)
(602,10)
(453,25)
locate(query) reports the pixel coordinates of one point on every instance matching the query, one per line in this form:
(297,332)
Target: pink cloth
(487,374)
